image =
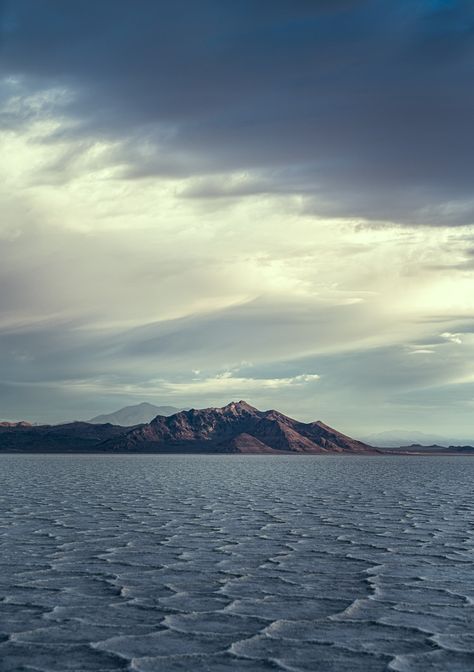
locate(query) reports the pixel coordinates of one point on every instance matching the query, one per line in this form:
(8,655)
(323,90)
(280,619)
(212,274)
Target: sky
(268,200)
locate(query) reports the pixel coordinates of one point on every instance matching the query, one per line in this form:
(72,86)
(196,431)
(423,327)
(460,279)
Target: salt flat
(305,563)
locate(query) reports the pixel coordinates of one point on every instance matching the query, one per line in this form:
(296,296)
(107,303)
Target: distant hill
(417,449)
(235,428)
(134,415)
(69,437)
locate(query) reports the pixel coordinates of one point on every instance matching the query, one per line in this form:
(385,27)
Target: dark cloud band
(365,108)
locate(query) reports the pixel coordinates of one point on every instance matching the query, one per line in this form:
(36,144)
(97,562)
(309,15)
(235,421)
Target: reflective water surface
(112,562)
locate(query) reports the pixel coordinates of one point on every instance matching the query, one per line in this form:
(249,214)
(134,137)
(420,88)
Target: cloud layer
(268,200)
(364,108)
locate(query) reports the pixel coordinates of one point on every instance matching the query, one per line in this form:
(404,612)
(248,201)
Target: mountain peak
(240,407)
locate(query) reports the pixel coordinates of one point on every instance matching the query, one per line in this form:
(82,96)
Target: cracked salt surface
(206,563)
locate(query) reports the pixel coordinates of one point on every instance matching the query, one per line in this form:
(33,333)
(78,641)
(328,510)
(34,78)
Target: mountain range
(235,428)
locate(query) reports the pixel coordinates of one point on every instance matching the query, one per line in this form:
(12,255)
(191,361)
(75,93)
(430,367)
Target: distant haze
(396,438)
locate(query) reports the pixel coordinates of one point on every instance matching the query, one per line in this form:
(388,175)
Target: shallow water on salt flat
(193,563)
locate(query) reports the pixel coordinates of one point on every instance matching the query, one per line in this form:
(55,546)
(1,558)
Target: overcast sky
(261,199)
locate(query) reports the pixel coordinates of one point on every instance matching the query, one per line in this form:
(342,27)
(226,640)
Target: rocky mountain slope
(134,415)
(235,428)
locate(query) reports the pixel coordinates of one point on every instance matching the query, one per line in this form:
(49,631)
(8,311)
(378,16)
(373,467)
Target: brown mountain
(235,428)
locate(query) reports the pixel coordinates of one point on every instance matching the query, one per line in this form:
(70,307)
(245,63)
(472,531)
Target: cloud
(228,384)
(362,108)
(454,338)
